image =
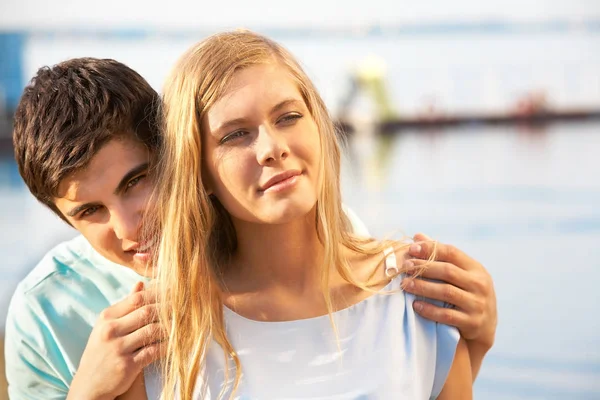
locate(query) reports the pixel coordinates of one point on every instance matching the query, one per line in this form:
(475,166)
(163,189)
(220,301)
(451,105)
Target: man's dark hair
(68,112)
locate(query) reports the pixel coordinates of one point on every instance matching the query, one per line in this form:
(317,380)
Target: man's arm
(466,285)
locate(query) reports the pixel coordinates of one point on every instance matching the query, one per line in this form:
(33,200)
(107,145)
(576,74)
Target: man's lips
(141,248)
(279,178)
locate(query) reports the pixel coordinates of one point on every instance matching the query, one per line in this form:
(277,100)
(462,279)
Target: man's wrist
(79,392)
(76,395)
(481,344)
(477,351)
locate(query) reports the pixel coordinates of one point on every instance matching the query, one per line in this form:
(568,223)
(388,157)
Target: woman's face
(261,148)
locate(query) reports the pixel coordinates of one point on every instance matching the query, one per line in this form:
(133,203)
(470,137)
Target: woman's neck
(283,255)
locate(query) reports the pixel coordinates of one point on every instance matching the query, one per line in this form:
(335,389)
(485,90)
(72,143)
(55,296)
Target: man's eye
(89,211)
(233,135)
(135,181)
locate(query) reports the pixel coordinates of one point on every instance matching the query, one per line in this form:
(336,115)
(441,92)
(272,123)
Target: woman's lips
(281,181)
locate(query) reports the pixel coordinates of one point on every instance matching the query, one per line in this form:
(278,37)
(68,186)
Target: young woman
(266,292)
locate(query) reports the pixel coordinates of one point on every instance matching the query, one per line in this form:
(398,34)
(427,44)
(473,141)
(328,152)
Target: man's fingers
(132,302)
(443,252)
(148,354)
(138,287)
(440,291)
(443,315)
(152,285)
(421,237)
(144,336)
(136,319)
(442,271)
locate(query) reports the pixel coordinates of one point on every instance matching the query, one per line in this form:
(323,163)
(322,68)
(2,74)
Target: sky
(180,14)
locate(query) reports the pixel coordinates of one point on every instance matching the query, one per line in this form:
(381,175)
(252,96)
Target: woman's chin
(287,213)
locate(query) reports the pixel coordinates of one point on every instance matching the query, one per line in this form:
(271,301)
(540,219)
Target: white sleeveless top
(387,352)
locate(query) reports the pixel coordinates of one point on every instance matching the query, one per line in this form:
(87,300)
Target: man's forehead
(105,170)
(74,184)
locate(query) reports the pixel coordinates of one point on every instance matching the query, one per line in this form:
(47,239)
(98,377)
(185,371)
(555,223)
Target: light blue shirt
(51,316)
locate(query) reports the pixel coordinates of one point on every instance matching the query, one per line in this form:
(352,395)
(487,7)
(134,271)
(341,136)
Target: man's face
(106,200)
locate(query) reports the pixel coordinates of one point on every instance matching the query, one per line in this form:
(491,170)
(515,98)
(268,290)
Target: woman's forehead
(260,86)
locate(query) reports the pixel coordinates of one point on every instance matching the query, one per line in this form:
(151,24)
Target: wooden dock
(473,120)
(419,123)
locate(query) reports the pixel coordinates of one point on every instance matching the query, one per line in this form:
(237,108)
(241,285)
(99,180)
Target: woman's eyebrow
(285,103)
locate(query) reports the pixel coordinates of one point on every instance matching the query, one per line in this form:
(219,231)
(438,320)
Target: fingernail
(139,285)
(408,284)
(417,306)
(415,248)
(408,264)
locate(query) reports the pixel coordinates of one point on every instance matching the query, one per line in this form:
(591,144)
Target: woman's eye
(289,119)
(233,135)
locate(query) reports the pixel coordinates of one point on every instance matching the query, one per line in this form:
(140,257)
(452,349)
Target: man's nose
(126,224)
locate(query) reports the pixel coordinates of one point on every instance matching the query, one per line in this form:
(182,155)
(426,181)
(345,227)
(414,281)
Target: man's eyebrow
(129,176)
(120,188)
(80,208)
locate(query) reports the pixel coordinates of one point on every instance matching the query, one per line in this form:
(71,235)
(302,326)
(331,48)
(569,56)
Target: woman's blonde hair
(197,235)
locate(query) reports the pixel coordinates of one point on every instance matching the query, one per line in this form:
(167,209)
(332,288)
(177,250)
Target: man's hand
(137,391)
(126,338)
(466,285)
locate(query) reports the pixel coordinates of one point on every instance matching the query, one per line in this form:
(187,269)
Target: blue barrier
(11,68)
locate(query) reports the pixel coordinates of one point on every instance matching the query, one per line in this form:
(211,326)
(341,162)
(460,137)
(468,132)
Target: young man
(80,325)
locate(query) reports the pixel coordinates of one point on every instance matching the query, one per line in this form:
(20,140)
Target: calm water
(524,203)
(528,206)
